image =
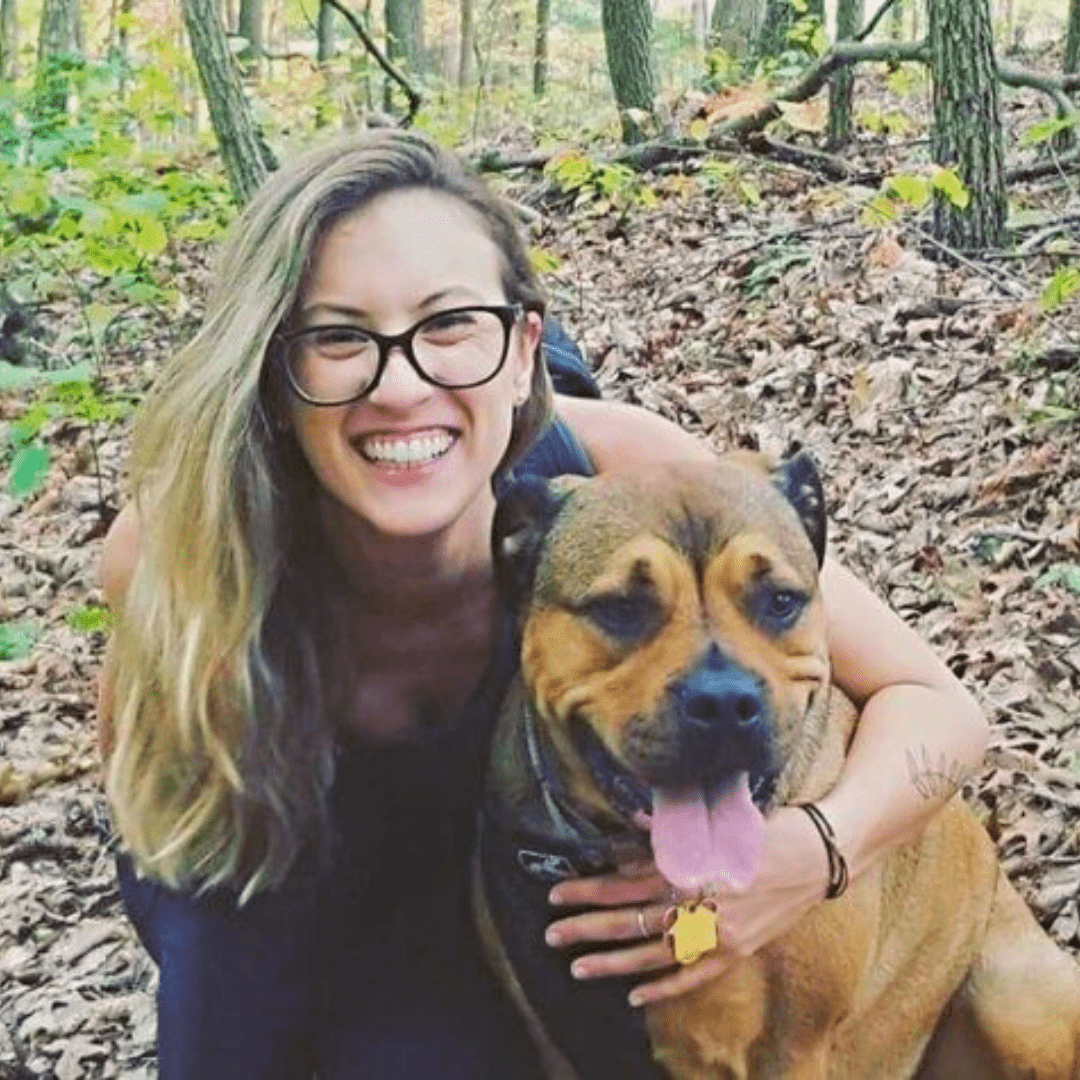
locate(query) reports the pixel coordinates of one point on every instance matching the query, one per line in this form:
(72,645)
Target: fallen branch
(414,97)
(842,54)
(1044,168)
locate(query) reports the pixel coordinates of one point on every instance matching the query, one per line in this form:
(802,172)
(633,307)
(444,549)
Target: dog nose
(721,694)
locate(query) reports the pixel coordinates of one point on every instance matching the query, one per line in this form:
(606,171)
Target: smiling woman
(309,648)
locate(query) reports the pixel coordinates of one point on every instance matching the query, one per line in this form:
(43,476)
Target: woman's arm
(919,735)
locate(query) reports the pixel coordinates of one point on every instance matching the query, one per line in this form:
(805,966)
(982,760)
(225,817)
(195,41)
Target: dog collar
(560,841)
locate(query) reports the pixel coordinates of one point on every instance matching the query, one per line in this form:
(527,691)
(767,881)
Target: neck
(394,574)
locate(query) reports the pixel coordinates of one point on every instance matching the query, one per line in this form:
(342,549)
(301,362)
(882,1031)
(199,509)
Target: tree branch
(414,98)
(878,15)
(1055,88)
(840,55)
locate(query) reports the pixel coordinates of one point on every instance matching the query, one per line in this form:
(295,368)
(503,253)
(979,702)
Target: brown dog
(675,674)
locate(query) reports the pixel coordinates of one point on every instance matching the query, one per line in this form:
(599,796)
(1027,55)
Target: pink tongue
(699,842)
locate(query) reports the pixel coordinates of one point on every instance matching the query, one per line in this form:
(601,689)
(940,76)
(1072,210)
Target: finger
(679,981)
(648,956)
(618,924)
(609,890)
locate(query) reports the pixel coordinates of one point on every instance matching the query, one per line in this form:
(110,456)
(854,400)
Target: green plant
(719,175)
(601,186)
(908,191)
(77,399)
(90,619)
(17,638)
(1064,283)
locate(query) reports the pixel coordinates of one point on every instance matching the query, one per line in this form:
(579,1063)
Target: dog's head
(671,625)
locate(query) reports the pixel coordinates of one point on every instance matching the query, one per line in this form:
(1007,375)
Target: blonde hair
(223,748)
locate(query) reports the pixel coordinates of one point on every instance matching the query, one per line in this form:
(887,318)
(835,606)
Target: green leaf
(880,210)
(150,236)
(1060,287)
(90,619)
(17,639)
(952,187)
(910,189)
(17,378)
(1066,575)
(29,467)
(1045,130)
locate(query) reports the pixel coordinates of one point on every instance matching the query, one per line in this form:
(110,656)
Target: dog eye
(777,608)
(627,618)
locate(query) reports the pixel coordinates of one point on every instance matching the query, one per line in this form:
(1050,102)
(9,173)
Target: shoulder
(616,435)
(119,555)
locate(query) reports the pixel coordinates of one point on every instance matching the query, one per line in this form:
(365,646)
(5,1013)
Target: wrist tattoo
(939,779)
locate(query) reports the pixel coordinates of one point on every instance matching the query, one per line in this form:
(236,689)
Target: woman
(308,653)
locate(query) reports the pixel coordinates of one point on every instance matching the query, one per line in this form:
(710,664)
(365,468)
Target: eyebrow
(345,311)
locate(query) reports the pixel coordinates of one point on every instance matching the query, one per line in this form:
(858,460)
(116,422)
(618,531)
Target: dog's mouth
(706,833)
(709,835)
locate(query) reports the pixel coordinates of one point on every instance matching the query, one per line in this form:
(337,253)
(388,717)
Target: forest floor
(939,400)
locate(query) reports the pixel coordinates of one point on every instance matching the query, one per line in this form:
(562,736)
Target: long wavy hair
(222,752)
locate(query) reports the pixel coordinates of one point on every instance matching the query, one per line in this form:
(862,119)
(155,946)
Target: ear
(798,481)
(524,514)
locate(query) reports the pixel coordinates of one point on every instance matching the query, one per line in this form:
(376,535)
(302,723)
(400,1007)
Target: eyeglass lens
(457,348)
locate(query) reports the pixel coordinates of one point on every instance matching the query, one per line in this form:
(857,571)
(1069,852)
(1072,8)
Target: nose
(719,696)
(400,385)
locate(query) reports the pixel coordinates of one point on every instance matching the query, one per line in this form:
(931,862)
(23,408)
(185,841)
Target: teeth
(415,450)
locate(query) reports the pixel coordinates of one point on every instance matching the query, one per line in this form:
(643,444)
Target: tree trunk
(849,17)
(700,16)
(896,21)
(249,26)
(404,44)
(9,40)
(326,46)
(244,154)
(628,42)
(967,122)
(58,52)
(540,52)
(1072,40)
(735,27)
(404,32)
(468,41)
(777,21)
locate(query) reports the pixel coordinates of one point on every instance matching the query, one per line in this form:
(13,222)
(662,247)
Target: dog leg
(1017,1015)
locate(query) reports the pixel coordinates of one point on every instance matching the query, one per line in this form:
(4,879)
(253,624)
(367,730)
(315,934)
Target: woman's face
(410,459)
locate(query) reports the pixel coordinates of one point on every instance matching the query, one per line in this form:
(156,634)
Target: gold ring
(641,922)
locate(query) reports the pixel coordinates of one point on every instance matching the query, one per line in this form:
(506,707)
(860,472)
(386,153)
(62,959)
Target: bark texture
(246,157)
(849,16)
(628,43)
(9,39)
(249,26)
(540,49)
(58,49)
(467,41)
(735,26)
(1072,40)
(967,122)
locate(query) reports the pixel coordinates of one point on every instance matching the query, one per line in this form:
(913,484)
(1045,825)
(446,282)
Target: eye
(336,342)
(450,325)
(777,608)
(625,617)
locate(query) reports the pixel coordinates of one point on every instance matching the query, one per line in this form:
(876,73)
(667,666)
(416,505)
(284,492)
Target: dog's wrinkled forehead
(697,510)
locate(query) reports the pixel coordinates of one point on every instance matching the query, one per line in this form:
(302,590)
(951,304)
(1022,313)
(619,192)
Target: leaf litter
(951,463)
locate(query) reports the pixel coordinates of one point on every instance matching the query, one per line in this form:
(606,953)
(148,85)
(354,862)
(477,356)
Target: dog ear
(798,480)
(523,515)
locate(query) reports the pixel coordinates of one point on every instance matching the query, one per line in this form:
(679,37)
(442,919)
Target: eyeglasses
(455,349)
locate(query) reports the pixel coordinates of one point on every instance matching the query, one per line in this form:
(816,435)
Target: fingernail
(636,998)
(552,936)
(579,970)
(555,897)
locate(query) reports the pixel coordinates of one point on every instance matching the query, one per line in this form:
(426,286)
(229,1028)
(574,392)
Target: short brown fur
(930,965)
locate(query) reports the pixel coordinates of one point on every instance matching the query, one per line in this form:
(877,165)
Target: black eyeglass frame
(508,314)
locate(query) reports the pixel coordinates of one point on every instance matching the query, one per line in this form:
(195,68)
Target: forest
(850,227)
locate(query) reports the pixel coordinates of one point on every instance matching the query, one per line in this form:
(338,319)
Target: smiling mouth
(409,451)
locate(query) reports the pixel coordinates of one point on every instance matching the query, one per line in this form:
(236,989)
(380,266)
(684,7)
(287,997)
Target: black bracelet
(838,871)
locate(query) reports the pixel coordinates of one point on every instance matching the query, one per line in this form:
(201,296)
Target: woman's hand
(630,906)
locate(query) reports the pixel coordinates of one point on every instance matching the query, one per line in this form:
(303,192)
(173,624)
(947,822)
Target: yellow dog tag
(692,930)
